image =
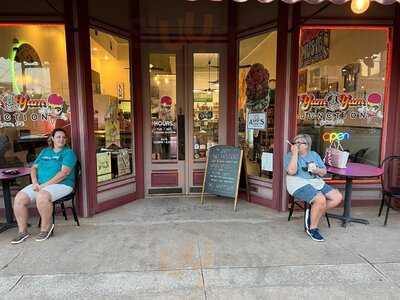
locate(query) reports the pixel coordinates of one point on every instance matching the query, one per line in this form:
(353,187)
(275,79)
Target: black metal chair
(358,157)
(303,205)
(69,197)
(390,180)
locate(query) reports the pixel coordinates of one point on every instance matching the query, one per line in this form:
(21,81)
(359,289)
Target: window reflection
(257,73)
(205,103)
(112,105)
(34,94)
(341,90)
(163,106)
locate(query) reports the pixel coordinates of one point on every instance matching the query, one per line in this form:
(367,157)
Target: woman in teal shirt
(53,177)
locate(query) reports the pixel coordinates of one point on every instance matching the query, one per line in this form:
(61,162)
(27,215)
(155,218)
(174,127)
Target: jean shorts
(307,193)
(56,191)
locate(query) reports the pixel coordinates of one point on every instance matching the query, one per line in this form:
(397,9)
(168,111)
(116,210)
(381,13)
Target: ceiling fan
(210,82)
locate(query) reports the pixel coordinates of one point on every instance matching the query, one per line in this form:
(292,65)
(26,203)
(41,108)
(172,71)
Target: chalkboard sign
(222,172)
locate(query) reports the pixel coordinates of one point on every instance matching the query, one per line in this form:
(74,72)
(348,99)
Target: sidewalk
(169,248)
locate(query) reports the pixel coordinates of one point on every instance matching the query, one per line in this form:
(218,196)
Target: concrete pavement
(175,248)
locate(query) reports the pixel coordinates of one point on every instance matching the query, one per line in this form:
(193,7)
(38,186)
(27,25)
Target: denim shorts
(56,191)
(307,193)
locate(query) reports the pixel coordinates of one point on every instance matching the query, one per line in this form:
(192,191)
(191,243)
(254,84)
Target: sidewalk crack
(11,261)
(201,270)
(377,270)
(15,284)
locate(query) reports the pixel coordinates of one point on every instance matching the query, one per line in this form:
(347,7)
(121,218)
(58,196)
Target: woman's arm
(58,177)
(34,174)
(320,168)
(292,167)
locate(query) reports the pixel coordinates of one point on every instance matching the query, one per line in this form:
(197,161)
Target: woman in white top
(305,170)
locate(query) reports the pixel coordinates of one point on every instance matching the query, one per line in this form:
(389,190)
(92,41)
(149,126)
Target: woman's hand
(36,187)
(294,149)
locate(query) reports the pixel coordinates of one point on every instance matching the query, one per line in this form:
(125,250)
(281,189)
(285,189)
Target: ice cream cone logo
(55,104)
(374,105)
(165,109)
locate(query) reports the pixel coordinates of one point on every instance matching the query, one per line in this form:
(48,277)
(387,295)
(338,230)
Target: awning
(384,2)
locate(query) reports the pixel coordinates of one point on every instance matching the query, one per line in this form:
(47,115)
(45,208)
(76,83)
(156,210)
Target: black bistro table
(352,171)
(5,180)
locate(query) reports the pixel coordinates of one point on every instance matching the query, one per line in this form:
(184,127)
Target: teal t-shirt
(49,163)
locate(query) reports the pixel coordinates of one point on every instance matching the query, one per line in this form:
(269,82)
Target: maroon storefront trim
(110,204)
(198,177)
(393,108)
(262,201)
(111,187)
(231,105)
(280,110)
(165,179)
(136,78)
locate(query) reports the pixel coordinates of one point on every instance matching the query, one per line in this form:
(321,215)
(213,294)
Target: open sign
(335,136)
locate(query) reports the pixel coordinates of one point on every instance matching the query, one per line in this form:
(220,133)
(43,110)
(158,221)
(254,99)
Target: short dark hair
(53,133)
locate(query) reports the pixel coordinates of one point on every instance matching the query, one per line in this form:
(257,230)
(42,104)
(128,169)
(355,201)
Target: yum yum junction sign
(336,106)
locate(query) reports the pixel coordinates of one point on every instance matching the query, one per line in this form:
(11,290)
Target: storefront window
(205,103)
(341,89)
(163,106)
(112,105)
(257,77)
(34,93)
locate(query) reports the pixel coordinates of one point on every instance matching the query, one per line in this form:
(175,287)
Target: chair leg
(387,210)
(74,213)
(327,220)
(63,211)
(54,213)
(291,208)
(382,203)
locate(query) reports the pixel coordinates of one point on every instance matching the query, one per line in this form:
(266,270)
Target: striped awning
(384,2)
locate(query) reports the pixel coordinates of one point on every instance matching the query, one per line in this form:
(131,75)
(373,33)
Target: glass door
(182,115)
(206,91)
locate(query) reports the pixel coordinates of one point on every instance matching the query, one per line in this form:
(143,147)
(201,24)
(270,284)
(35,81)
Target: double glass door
(184,114)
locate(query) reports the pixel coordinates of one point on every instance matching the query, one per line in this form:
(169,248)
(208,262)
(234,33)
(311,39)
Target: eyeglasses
(300,143)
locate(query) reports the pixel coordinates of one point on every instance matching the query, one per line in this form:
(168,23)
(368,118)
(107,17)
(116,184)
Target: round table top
(356,170)
(23,171)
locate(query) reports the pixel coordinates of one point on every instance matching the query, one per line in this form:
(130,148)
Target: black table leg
(7,207)
(346,217)
(347,200)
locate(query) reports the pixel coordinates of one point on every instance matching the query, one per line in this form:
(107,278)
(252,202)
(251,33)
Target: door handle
(181,136)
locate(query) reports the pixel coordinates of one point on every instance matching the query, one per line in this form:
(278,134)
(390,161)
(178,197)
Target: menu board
(223,172)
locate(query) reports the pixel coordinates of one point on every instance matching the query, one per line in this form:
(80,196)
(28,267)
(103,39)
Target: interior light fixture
(240,1)
(265,1)
(359,6)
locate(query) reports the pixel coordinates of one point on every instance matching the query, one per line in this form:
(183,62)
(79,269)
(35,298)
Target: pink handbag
(335,156)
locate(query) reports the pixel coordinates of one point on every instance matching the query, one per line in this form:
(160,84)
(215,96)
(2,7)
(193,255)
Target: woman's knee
(320,200)
(21,199)
(43,197)
(337,197)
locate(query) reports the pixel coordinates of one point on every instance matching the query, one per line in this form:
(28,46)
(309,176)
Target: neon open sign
(335,136)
